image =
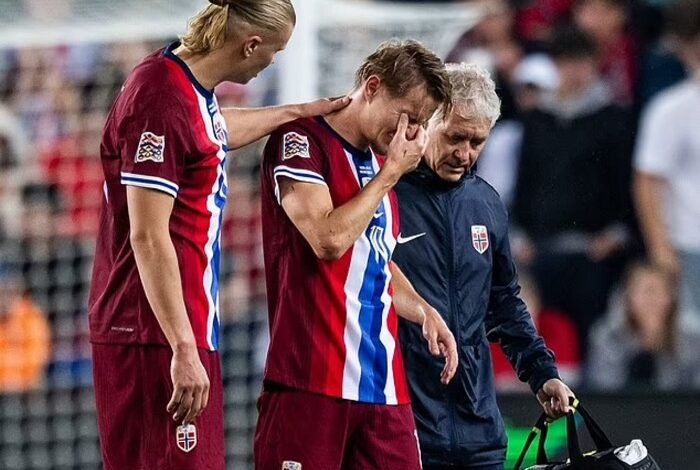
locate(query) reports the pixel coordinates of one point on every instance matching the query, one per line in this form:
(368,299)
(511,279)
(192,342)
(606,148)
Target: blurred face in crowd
(38,221)
(576,74)
(528,97)
(650,298)
(455,144)
(381,113)
(602,19)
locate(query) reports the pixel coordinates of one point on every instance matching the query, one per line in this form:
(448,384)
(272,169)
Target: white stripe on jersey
(214,228)
(385,335)
(353,334)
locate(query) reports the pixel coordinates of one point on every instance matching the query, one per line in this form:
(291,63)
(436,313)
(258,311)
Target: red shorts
(132,389)
(306,431)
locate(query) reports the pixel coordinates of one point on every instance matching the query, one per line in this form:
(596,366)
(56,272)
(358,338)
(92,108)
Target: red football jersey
(333,326)
(166,133)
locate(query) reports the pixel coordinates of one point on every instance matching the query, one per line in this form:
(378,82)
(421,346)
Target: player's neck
(346,123)
(202,66)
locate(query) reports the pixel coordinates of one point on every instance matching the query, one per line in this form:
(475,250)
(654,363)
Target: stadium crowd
(592,128)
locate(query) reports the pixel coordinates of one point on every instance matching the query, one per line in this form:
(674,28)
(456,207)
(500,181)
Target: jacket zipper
(451,292)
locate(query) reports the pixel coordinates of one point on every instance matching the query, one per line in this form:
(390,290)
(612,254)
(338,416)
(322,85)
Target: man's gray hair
(473,93)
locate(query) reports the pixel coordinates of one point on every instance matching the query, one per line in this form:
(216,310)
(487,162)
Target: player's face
(384,110)
(455,145)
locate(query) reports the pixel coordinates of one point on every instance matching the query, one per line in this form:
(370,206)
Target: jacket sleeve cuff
(540,376)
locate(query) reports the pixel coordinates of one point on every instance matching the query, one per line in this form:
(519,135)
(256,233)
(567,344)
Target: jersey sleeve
(293,153)
(153,145)
(658,141)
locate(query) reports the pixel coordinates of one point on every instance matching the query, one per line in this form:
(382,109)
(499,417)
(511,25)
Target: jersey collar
(361,154)
(168,52)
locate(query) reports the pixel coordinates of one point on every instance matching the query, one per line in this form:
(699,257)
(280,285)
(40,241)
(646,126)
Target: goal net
(61,64)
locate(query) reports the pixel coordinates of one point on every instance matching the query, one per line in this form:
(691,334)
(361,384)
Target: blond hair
(207,29)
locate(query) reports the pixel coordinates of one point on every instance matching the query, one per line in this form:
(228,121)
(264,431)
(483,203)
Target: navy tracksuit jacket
(454,249)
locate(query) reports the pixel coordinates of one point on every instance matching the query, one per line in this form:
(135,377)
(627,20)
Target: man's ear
(372,87)
(250,45)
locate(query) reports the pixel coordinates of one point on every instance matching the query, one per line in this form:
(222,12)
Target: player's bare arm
(251,124)
(149,217)
(332,230)
(411,306)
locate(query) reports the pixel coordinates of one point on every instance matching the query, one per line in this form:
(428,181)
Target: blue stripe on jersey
(219,202)
(372,353)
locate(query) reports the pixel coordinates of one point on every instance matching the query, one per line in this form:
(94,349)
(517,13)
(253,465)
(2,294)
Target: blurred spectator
(55,269)
(534,79)
(606,21)
(643,341)
(559,334)
(491,43)
(13,162)
(25,338)
(667,163)
(537,19)
(572,192)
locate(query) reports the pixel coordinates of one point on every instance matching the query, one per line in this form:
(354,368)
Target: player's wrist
(390,175)
(184,347)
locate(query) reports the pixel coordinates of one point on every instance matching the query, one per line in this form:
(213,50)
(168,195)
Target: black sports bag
(606,457)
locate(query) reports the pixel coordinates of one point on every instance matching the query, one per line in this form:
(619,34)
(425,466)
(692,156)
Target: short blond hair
(207,29)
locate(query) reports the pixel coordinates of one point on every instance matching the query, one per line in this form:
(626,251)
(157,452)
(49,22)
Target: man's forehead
(418,103)
(457,121)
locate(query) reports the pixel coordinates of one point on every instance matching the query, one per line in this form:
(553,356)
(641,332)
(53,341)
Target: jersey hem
(296,386)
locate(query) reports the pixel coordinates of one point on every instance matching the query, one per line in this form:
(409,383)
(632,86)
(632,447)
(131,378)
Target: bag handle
(539,429)
(600,439)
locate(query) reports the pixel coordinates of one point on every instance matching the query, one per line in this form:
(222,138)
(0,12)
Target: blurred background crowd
(597,155)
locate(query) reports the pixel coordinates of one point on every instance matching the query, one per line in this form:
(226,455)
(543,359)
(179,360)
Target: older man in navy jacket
(454,249)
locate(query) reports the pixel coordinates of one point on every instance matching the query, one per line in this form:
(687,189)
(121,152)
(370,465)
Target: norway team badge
(295,145)
(480,238)
(186,437)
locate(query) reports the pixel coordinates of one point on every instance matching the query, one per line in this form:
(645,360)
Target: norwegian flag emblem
(186,437)
(295,145)
(480,238)
(151,147)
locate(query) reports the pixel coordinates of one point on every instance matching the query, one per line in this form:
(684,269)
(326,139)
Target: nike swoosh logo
(401,240)
(378,215)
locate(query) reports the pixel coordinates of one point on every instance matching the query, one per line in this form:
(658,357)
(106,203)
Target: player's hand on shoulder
(442,342)
(406,148)
(554,398)
(324,106)
(190,385)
